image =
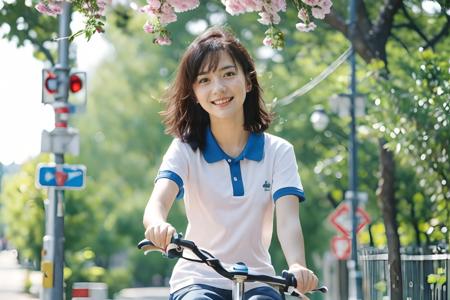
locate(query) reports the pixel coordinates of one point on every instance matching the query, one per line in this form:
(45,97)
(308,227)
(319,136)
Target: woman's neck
(230,136)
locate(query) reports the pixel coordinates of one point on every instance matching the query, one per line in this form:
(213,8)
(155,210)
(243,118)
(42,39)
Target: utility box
(89,291)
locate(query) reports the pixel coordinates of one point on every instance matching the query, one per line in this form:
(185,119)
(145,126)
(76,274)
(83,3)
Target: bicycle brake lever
(173,251)
(294,292)
(323,289)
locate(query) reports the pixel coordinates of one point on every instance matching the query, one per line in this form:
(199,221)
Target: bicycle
(238,274)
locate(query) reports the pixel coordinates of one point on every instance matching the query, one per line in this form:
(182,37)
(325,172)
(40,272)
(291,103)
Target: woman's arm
(157,229)
(290,235)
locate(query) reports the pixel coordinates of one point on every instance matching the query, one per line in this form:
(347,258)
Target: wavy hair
(186,119)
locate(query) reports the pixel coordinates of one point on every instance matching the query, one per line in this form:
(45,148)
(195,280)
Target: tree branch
(413,26)
(444,32)
(41,47)
(336,22)
(383,25)
(363,21)
(396,38)
(333,201)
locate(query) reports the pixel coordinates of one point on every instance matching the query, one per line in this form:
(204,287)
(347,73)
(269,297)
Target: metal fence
(425,274)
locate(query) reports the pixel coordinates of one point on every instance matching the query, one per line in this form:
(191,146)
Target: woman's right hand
(160,234)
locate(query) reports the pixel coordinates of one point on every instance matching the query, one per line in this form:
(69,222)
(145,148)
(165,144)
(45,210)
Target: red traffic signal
(51,83)
(76,86)
(75,83)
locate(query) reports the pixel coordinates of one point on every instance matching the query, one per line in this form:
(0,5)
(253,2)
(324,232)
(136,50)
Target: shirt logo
(266,186)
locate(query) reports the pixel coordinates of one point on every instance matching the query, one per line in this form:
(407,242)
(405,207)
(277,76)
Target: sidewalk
(12,278)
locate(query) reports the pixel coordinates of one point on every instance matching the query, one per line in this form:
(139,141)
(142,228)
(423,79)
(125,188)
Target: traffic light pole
(53,244)
(354,271)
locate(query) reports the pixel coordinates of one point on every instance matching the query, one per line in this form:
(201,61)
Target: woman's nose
(218,86)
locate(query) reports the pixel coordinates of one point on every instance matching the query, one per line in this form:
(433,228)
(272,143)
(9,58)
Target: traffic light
(77,92)
(75,83)
(51,83)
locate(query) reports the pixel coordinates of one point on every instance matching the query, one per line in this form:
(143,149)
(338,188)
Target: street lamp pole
(354,272)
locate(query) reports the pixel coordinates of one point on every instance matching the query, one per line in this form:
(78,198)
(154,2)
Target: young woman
(231,175)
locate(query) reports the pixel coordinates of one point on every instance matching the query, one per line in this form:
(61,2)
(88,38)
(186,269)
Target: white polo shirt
(230,202)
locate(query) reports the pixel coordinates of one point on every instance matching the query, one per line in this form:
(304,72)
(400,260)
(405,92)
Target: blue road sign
(66,177)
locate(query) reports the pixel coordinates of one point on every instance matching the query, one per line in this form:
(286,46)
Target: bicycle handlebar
(177,245)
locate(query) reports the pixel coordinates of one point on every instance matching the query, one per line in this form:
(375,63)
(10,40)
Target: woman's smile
(222,101)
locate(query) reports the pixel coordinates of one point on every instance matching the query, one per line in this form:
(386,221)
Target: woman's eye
(228,74)
(203,80)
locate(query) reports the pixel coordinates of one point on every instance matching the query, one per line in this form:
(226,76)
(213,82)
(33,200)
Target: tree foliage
(411,111)
(21,23)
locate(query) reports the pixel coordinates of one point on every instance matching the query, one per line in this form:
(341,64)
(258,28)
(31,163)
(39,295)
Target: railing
(425,274)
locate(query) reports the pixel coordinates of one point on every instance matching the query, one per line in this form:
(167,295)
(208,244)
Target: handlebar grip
(144,243)
(292,281)
(290,278)
(172,250)
(147,246)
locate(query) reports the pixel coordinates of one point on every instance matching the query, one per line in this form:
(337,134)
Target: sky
(22,115)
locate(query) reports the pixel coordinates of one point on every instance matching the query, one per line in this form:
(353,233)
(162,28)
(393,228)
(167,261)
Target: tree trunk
(387,203)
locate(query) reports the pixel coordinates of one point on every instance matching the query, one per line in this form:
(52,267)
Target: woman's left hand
(306,279)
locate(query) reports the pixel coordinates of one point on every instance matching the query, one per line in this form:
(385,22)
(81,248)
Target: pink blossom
(252,5)
(167,14)
(102,6)
(162,41)
(311,2)
(151,8)
(149,28)
(318,12)
(183,5)
(303,15)
(148,10)
(268,41)
(278,5)
(50,8)
(305,27)
(267,18)
(276,18)
(326,4)
(323,9)
(154,4)
(234,7)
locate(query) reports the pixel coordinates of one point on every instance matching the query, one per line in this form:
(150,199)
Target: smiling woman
(232,175)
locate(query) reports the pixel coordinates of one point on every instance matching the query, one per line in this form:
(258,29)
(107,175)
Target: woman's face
(222,92)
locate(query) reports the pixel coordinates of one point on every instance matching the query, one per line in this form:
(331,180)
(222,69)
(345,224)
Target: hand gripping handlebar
(177,245)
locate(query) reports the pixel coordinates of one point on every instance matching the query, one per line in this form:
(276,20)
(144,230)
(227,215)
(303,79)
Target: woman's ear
(248,83)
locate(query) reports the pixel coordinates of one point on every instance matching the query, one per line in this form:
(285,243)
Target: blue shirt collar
(253,150)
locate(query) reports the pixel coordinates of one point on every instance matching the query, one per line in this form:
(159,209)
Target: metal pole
(354,272)
(55,221)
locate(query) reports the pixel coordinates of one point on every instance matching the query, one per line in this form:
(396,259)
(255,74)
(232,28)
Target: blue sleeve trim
(289,191)
(175,178)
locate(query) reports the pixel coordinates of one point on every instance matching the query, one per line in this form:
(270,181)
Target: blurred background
(402,132)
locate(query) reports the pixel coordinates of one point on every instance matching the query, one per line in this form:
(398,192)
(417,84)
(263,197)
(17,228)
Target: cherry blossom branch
(160,13)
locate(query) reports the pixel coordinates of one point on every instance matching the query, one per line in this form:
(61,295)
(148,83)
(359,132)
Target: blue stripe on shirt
(289,191)
(175,178)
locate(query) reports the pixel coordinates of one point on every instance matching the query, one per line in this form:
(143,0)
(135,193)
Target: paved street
(12,278)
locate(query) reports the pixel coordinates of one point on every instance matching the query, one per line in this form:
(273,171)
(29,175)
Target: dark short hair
(187,120)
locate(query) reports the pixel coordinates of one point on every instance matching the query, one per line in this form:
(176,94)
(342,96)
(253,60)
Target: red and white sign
(341,218)
(341,247)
